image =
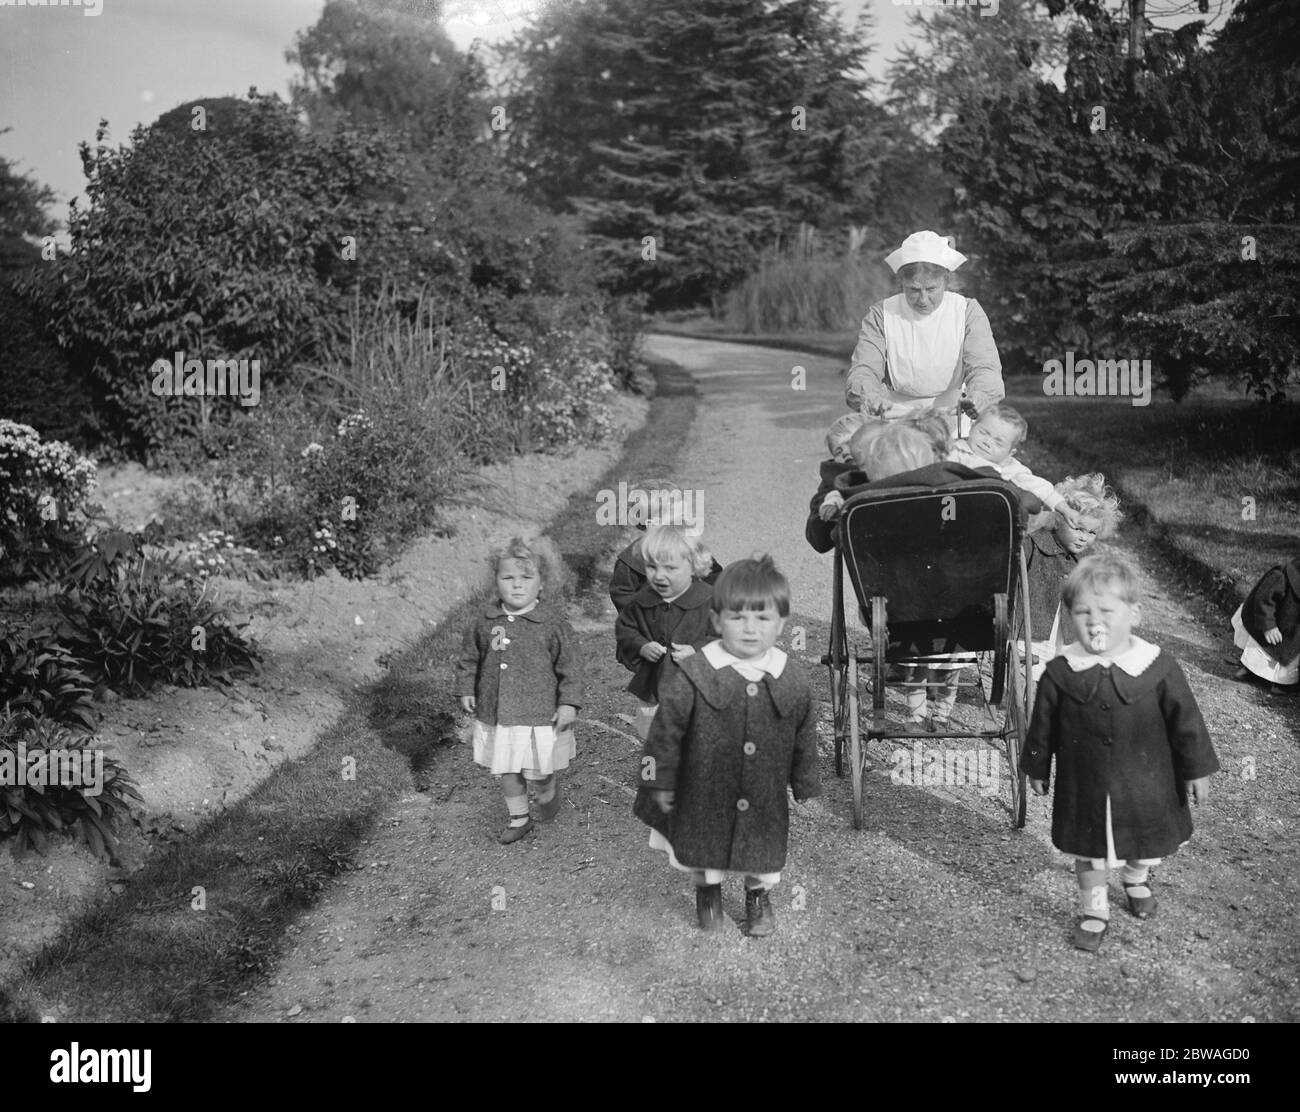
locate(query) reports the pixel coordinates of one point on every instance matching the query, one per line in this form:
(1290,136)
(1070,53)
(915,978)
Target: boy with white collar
(1130,745)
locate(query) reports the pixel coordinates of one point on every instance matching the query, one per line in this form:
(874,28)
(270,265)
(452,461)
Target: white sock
(517,805)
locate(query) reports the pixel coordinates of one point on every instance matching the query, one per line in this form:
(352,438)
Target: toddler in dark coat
(668,618)
(629,572)
(736,726)
(1130,746)
(1267,629)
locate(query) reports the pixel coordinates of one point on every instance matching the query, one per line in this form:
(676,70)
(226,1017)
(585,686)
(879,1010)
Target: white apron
(923,355)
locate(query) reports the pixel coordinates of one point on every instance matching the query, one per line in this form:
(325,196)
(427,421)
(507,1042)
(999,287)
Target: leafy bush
(37,384)
(177,252)
(44,492)
(39,676)
(379,480)
(137,622)
(31,813)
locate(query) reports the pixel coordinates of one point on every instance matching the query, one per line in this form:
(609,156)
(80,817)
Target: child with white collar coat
(737,726)
(1130,746)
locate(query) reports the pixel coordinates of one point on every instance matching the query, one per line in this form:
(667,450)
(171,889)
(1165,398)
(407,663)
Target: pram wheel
(857,752)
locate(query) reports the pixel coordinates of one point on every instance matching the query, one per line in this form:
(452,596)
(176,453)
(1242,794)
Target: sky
(63,68)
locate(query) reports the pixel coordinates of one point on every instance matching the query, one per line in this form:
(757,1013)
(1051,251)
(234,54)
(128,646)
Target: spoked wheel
(857,751)
(1019,695)
(838,662)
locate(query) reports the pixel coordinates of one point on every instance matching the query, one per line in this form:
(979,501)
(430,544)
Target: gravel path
(937,910)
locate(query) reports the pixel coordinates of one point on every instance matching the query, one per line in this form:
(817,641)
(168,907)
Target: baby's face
(842,454)
(518,584)
(993,439)
(747,634)
(670,577)
(1075,540)
(1103,622)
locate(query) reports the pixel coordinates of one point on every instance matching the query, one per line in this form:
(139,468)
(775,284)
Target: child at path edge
(1267,630)
(520,673)
(737,723)
(1130,746)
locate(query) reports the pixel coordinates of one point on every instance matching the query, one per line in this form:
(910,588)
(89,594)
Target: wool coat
(1047,564)
(821,534)
(935,474)
(1137,739)
(1274,603)
(648,618)
(520,667)
(629,575)
(728,747)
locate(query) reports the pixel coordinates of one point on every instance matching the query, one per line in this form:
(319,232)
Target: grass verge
(162,951)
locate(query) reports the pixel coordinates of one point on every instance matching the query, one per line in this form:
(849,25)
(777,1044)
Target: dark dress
(648,618)
(821,534)
(1274,603)
(629,575)
(1047,565)
(728,747)
(1138,739)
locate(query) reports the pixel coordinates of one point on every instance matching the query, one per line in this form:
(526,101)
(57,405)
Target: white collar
(518,613)
(772,662)
(1135,660)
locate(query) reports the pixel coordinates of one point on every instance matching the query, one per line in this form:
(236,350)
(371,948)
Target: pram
(937,570)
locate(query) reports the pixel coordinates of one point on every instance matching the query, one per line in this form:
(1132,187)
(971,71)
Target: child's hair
(674,542)
(1008,416)
(860,442)
(663,509)
(1093,573)
(934,428)
(1089,496)
(899,448)
(842,430)
(539,554)
(752,584)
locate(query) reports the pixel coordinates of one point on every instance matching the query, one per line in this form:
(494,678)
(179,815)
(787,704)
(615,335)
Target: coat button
(1105,741)
(750,748)
(752,689)
(742,805)
(1105,706)
(503,665)
(510,617)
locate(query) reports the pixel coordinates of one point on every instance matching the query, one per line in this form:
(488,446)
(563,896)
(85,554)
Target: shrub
(379,480)
(39,676)
(30,813)
(44,488)
(37,384)
(138,622)
(225,242)
(800,288)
